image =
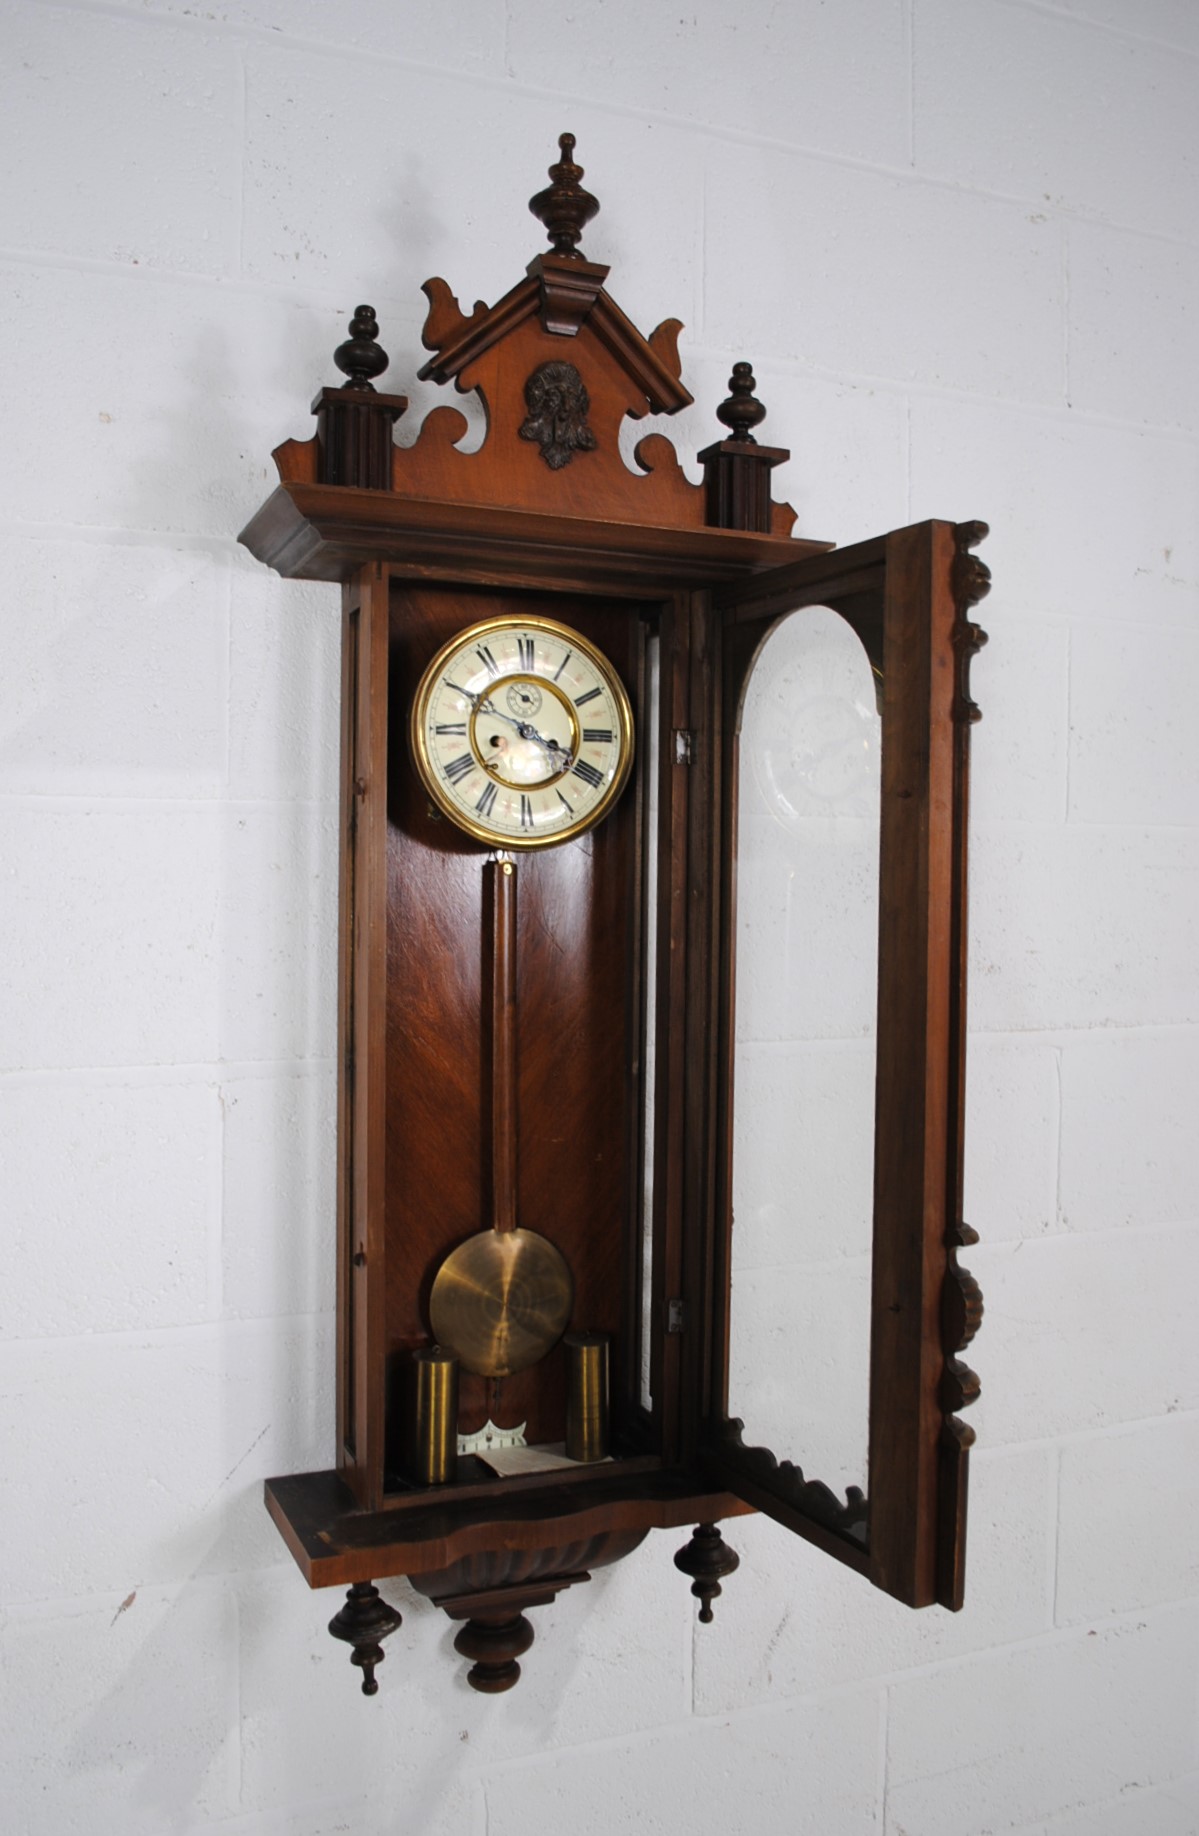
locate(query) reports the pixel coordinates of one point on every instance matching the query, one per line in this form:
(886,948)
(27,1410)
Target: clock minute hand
(476,700)
(483,704)
(548,746)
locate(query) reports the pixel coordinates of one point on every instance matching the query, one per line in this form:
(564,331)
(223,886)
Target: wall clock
(575,975)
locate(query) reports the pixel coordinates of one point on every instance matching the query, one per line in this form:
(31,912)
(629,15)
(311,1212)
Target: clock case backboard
(426,540)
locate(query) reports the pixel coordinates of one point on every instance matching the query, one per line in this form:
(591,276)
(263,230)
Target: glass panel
(648,740)
(806,996)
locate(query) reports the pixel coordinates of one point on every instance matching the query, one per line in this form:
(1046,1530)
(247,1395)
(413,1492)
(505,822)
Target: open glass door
(840,1309)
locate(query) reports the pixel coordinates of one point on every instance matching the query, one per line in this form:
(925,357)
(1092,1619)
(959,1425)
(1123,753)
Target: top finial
(564,207)
(743,411)
(360,357)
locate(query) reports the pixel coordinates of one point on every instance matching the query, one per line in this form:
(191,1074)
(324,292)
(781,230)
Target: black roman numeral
(589,774)
(486,801)
(456,727)
(597,736)
(566,803)
(458,768)
(526,812)
(487,660)
(524,647)
(589,696)
(562,665)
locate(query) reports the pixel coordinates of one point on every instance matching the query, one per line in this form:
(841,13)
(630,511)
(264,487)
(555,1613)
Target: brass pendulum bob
(502,1299)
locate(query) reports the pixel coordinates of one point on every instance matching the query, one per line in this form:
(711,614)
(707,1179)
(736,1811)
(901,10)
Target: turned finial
(708,1558)
(365,1619)
(360,357)
(564,207)
(743,410)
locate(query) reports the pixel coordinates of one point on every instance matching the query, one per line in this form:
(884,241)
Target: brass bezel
(431,779)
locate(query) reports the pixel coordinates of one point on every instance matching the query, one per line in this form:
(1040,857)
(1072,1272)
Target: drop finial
(564,207)
(742,412)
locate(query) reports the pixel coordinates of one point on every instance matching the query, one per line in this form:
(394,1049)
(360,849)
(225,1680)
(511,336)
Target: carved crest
(558,404)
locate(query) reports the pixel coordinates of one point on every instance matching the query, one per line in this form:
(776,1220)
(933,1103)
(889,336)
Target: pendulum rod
(502,876)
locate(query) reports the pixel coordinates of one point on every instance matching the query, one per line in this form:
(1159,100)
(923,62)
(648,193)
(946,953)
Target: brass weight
(435,1450)
(587,1396)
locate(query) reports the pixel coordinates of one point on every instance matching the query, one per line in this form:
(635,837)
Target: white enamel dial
(522,732)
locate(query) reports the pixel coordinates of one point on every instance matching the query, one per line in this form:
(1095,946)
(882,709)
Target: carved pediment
(558,367)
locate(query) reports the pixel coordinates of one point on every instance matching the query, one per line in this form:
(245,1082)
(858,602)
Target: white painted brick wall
(960,243)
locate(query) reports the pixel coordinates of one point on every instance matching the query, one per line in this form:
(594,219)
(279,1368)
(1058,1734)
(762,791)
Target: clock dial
(522,732)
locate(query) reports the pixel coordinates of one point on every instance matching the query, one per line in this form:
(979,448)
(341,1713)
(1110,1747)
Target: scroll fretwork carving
(961,1317)
(971,582)
(785,1480)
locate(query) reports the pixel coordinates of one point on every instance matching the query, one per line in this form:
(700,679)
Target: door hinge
(676,1315)
(683,746)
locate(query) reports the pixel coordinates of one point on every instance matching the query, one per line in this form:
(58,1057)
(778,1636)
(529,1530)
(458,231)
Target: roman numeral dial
(521,732)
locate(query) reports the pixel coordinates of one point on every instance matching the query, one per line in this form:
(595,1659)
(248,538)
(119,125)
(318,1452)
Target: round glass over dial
(522,732)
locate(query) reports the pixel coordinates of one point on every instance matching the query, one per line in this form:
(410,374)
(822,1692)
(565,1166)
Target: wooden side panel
(362,976)
(904,597)
(669,1226)
(917,932)
(962,1310)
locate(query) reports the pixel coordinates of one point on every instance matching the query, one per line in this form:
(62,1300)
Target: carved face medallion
(558,405)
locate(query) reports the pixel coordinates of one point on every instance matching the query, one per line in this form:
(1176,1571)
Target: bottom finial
(363,1621)
(708,1558)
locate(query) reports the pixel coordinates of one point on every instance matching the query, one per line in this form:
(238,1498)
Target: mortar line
(1066,303)
(910,25)
(1056,1539)
(244,140)
(884,1757)
(317,299)
(509,87)
(1105,27)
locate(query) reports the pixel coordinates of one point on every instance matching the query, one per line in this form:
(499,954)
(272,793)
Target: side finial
(743,411)
(564,207)
(360,357)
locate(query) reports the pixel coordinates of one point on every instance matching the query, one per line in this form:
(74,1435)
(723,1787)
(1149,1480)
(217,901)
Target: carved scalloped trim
(663,341)
(786,1481)
(445,319)
(971,582)
(655,452)
(297,461)
(961,1316)
(468,339)
(963,1309)
(440,431)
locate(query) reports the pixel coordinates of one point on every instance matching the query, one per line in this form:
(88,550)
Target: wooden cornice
(326,532)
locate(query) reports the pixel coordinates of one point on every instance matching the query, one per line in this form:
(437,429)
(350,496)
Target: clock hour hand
(557,753)
(526,731)
(483,704)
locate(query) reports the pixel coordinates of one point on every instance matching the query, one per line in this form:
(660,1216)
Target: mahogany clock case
(625,936)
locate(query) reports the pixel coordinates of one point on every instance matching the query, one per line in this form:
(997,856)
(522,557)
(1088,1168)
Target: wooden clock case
(625,935)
